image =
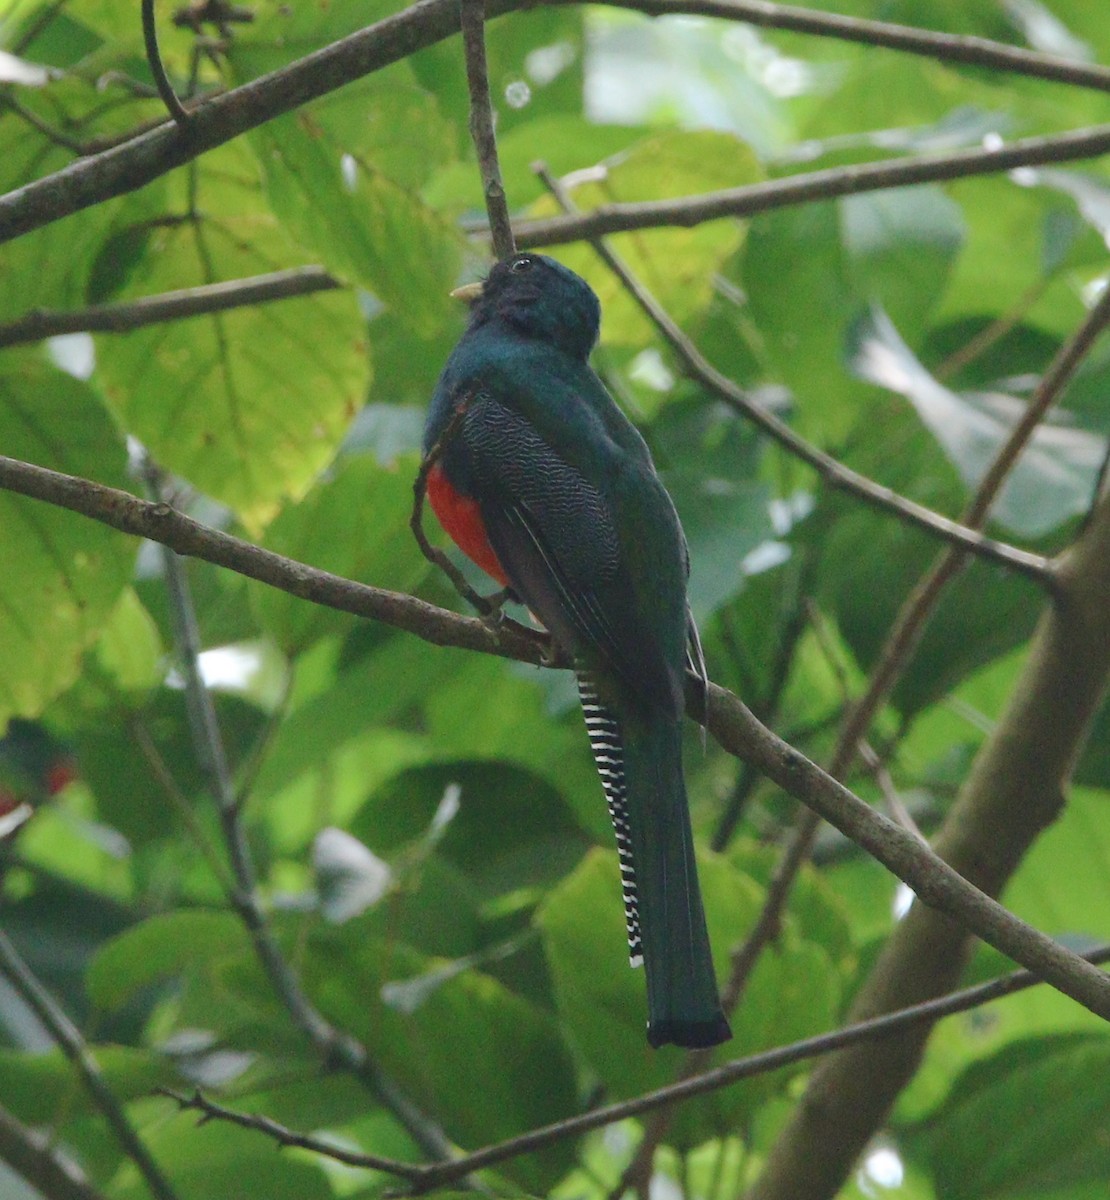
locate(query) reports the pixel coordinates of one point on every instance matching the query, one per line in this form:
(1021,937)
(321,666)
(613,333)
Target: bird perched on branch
(544,483)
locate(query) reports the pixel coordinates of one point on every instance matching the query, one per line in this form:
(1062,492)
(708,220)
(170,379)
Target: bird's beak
(468,292)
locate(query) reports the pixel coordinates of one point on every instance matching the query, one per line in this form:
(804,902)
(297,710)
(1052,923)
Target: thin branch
(36,1158)
(473,17)
(944,47)
(286,1137)
(169,306)
(221,118)
(827,184)
(426,1178)
(833,473)
(68,1038)
(158,68)
(729,721)
(334,1046)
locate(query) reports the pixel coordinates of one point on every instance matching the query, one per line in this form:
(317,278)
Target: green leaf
(513,830)
(248,405)
(676,265)
(900,246)
(1054,477)
(795,273)
(1063,1082)
(43,1088)
(65,573)
(160,948)
(130,650)
(602,1002)
(218,1159)
(487,1062)
(355,523)
(330,180)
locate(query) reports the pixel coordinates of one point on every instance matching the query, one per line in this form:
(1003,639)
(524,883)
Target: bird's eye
(519,265)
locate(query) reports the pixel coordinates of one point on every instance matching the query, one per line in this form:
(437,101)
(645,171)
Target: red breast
(461,517)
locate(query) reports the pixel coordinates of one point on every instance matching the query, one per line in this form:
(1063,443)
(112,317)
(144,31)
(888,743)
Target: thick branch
(163,524)
(168,306)
(1015,789)
(218,119)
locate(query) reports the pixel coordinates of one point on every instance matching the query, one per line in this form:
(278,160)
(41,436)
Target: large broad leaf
(1056,1091)
(247,405)
(485,1061)
(64,573)
(900,246)
(1053,478)
(42,1088)
(354,523)
(676,265)
(602,1002)
(334,176)
(795,273)
(218,1159)
(512,829)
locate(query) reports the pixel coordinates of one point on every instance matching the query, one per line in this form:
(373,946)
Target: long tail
(640,764)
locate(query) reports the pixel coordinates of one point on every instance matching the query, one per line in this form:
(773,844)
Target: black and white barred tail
(604,732)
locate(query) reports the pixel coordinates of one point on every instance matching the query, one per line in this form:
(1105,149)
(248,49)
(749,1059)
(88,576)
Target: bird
(544,483)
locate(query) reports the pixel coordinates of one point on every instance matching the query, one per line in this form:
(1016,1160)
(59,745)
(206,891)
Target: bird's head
(540,298)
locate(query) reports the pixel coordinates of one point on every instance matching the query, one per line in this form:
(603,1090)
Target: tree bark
(1015,789)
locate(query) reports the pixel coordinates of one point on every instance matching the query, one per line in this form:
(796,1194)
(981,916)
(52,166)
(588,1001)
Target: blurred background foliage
(428,830)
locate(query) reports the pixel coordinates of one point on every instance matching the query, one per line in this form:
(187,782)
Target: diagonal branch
(68,1039)
(1015,789)
(827,184)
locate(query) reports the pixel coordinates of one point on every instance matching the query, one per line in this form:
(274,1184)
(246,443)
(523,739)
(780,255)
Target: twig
(833,473)
(473,18)
(334,1046)
(68,1038)
(158,68)
(149,155)
(169,306)
(35,1157)
(284,1136)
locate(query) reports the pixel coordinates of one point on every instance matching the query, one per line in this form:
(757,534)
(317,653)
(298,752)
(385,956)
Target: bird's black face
(542,298)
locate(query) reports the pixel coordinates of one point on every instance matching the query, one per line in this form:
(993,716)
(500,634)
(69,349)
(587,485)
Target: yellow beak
(468,292)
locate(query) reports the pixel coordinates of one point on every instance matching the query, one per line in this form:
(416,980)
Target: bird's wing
(556,536)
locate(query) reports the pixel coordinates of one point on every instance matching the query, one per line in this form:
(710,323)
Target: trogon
(545,484)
